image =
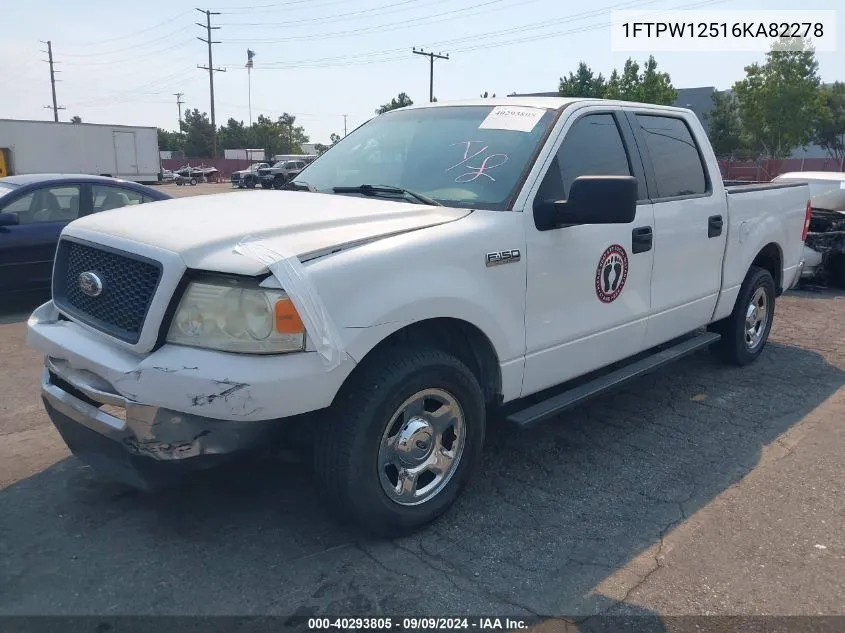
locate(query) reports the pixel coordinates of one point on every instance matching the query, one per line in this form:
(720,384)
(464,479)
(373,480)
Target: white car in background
(824,250)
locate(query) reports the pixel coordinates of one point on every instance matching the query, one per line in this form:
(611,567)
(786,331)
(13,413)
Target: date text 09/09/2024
(417,624)
(724,29)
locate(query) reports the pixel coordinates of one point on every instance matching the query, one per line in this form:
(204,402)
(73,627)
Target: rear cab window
(675,156)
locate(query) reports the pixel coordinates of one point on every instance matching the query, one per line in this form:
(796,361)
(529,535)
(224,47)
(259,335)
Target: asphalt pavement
(700,489)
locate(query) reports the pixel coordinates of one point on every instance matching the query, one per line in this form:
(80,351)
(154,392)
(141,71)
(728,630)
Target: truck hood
(204,230)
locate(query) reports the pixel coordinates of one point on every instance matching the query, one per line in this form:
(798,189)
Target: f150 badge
(503,257)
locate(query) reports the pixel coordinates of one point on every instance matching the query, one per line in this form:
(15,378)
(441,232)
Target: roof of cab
(551,103)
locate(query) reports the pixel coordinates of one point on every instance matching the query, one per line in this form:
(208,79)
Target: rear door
(125,152)
(28,248)
(690,222)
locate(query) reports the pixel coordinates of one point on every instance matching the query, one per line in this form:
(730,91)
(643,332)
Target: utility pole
(344,124)
(179,103)
(55,107)
(431,58)
(211,70)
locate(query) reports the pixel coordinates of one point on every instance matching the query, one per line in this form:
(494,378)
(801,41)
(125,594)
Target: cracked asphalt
(700,489)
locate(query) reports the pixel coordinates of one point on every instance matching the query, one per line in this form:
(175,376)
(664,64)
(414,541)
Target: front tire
(279,181)
(402,440)
(746,331)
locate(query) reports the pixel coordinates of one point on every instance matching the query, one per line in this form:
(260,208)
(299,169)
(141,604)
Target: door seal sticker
(611,273)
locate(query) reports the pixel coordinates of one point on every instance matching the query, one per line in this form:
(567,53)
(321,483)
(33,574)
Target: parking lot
(700,489)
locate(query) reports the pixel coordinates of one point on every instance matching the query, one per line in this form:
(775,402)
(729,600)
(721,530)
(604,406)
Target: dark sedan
(35,208)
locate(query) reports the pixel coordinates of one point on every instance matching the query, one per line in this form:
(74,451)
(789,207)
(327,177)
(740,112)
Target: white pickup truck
(438,266)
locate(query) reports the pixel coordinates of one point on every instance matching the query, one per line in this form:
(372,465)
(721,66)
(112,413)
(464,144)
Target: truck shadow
(552,514)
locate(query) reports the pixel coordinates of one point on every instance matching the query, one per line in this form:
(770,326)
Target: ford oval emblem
(90,284)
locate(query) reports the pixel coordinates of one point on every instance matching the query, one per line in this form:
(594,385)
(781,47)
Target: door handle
(641,239)
(714,226)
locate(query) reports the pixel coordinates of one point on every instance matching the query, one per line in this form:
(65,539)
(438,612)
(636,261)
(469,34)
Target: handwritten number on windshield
(488,161)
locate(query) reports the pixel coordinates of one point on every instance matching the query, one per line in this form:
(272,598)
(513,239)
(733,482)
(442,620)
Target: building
(700,101)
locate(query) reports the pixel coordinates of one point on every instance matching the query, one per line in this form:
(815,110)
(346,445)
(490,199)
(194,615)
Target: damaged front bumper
(144,418)
(142,446)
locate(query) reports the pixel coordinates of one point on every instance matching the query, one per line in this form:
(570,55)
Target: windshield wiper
(374,190)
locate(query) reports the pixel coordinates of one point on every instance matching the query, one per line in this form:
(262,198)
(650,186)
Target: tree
(170,141)
(725,125)
(400,101)
(583,83)
(76,119)
(655,87)
(233,135)
(830,128)
(322,148)
(780,101)
(648,86)
(199,134)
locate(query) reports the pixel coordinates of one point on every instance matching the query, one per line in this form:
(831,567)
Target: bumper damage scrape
(294,279)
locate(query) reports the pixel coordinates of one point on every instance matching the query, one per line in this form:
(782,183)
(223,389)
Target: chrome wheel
(756,318)
(421,447)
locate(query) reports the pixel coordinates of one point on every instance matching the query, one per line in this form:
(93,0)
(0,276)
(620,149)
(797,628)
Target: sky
(322,59)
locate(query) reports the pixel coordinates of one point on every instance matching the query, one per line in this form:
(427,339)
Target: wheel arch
(455,336)
(770,258)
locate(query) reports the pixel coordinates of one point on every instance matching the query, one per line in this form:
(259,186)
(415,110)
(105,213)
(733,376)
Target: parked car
(247,177)
(34,209)
(824,251)
(167,175)
(442,263)
(280,173)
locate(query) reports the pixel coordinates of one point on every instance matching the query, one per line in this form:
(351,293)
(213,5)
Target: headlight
(236,318)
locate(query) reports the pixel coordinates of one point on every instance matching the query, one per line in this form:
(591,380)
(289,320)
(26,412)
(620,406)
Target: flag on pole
(249,55)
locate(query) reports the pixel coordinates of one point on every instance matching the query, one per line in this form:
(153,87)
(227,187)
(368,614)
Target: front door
(588,295)
(126,158)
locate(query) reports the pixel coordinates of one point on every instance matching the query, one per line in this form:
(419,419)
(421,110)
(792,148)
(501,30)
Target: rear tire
(413,415)
(279,181)
(193,182)
(746,331)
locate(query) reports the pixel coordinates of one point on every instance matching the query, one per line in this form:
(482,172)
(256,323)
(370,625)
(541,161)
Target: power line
(134,33)
(339,17)
(397,54)
(389,26)
(55,107)
(211,70)
(431,58)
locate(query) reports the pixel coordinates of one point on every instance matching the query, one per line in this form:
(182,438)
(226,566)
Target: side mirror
(592,200)
(9,219)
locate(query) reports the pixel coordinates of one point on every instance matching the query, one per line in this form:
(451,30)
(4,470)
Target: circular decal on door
(611,273)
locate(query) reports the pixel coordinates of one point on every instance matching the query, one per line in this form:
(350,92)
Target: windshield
(461,156)
(6,188)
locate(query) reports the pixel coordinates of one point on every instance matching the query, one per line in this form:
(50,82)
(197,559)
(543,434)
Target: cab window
(592,147)
(47,204)
(109,197)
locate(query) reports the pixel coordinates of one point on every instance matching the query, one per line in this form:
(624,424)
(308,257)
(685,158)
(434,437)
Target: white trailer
(120,151)
(245,154)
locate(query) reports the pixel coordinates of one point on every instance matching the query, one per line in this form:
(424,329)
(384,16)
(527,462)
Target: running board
(556,404)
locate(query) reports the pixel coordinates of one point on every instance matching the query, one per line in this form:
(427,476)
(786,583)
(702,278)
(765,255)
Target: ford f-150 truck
(442,264)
